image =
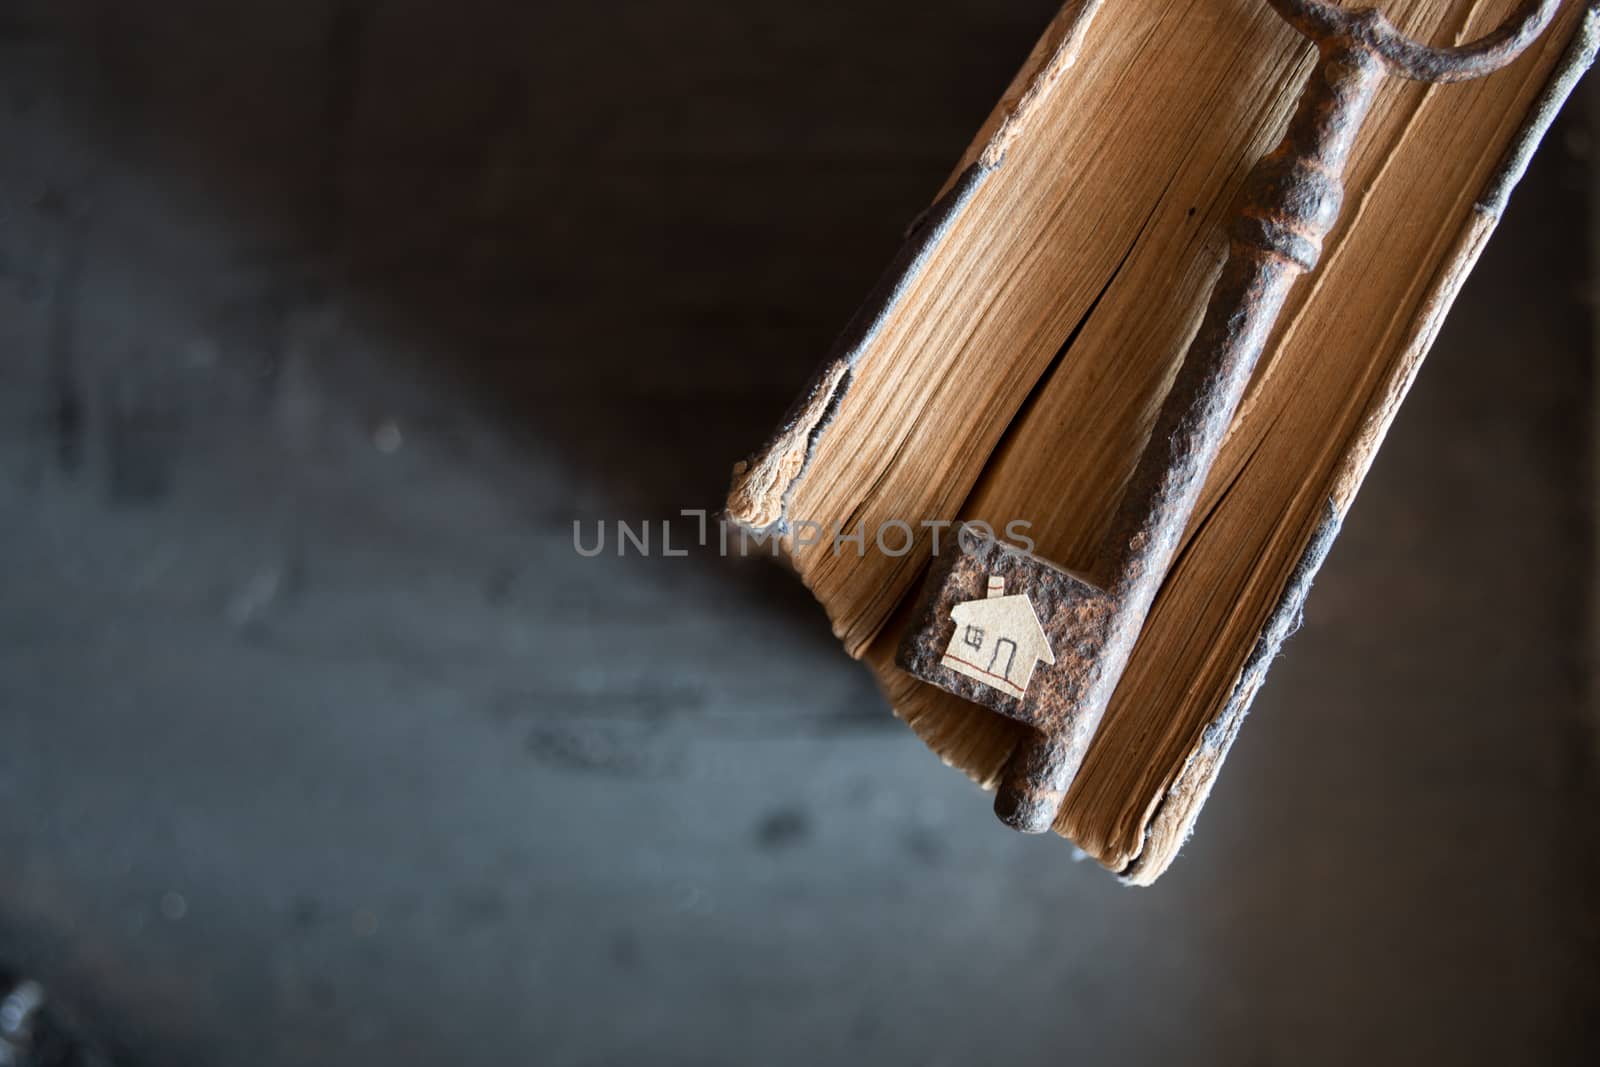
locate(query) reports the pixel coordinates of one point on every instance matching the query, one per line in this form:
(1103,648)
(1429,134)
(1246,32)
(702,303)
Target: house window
(973,636)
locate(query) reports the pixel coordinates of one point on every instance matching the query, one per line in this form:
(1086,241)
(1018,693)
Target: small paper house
(997,640)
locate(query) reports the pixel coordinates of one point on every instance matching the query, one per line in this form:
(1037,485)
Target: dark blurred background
(324,319)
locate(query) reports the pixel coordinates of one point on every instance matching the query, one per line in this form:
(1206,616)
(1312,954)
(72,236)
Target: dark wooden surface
(322,323)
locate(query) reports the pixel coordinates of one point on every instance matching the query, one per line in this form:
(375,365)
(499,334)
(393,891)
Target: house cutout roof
(998,640)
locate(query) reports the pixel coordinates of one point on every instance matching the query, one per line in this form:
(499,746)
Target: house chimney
(997,585)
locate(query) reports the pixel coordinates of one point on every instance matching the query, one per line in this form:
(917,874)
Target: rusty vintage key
(1039,644)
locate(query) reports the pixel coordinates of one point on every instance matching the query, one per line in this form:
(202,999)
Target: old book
(1009,366)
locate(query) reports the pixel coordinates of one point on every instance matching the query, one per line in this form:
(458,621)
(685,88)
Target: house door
(1005,650)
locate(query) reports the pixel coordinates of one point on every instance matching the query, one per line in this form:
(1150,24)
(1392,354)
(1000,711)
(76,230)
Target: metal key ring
(1370,29)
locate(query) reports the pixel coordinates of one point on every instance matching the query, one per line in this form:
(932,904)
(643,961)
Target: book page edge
(764,482)
(1173,817)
